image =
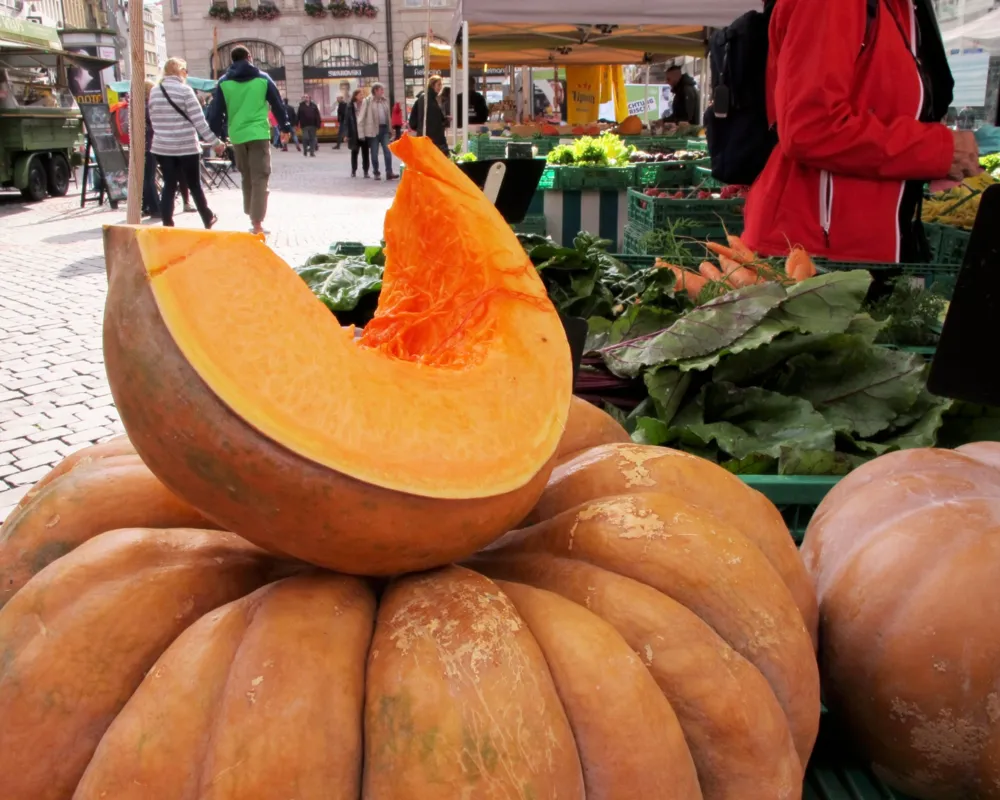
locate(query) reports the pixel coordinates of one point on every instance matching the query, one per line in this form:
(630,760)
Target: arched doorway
(335,67)
(267,57)
(415,72)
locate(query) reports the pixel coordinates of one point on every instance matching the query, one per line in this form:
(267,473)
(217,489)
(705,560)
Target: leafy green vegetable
(752,421)
(910,314)
(824,304)
(795,461)
(700,332)
(606,150)
(348,285)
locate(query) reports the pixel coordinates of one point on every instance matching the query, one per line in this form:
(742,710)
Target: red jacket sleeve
(818,46)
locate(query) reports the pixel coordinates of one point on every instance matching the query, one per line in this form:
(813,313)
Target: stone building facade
(307,54)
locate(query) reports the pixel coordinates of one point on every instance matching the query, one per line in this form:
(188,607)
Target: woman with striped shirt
(178,121)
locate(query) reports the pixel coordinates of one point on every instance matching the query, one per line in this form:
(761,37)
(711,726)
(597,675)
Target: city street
(54,397)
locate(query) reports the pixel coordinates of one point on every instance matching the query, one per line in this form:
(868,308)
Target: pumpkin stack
(646,630)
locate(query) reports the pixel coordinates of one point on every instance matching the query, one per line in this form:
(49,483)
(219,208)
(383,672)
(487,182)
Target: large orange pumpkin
(905,552)
(410,447)
(634,646)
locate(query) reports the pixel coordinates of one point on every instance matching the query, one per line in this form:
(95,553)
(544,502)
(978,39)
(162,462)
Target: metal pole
(645,102)
(454,96)
(137,113)
(465,83)
(390,45)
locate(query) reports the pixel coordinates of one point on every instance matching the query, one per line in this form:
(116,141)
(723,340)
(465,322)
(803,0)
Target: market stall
(40,122)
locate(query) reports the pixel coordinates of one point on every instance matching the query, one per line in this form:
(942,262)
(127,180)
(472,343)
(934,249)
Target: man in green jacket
(239,107)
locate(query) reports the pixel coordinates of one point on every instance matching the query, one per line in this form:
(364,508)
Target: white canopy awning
(655,13)
(984,28)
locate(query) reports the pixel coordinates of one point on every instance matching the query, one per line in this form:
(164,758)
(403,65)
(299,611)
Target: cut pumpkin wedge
(457,392)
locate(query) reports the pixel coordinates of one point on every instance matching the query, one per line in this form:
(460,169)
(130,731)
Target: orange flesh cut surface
(460,386)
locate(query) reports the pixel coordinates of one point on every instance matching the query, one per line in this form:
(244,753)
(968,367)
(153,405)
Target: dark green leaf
(667,387)
(824,304)
(700,332)
(796,461)
(756,464)
(650,431)
(342,284)
(924,421)
(861,389)
(967,422)
(753,421)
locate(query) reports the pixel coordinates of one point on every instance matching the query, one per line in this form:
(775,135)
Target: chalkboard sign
(111,159)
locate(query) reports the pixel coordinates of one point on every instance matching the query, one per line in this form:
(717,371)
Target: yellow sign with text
(583,94)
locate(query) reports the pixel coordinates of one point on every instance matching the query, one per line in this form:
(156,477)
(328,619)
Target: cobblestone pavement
(54,397)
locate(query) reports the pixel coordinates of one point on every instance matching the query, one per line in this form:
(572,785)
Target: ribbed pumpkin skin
(905,552)
(585,658)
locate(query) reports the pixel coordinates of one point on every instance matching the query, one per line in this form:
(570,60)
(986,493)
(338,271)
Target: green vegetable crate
(532,224)
(655,212)
(703,177)
(669,174)
(796,496)
(948,244)
(578,179)
(486,147)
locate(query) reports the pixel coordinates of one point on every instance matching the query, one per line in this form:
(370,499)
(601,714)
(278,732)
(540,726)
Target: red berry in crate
(703,195)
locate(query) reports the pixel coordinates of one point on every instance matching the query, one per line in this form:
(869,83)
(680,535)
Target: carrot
(687,281)
(746,255)
(661,264)
(799,266)
(743,277)
(737,250)
(710,272)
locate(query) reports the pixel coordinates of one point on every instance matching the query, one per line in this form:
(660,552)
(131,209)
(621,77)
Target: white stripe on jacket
(172,134)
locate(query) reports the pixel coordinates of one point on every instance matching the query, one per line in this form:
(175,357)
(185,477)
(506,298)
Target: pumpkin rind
(288,659)
(71,657)
(906,556)
(587,427)
(93,497)
(460,700)
(256,679)
(630,742)
(737,732)
(616,469)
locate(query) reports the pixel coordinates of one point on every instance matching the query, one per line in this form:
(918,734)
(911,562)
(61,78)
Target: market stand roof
(526,32)
(29,45)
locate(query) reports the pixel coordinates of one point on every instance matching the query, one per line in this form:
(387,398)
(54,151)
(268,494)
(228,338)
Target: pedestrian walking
(177,121)
(373,124)
(310,120)
(240,102)
(293,120)
(397,121)
(428,104)
(341,113)
(150,195)
(355,142)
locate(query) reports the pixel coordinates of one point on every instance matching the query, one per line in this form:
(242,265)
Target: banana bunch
(957,207)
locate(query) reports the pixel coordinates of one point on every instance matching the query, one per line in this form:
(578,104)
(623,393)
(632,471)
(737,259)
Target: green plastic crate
(796,496)
(701,145)
(347,249)
(948,244)
(703,177)
(694,240)
(940,277)
(716,215)
(836,773)
(666,174)
(532,223)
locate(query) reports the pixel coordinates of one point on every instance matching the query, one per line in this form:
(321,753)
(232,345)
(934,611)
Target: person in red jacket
(859,132)
(397,121)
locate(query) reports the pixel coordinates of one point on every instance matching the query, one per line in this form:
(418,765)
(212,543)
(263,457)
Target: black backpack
(740,140)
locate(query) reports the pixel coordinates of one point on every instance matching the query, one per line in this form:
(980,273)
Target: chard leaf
(968,422)
(649,430)
(859,390)
(824,304)
(759,335)
(751,465)
(704,330)
(751,366)
(753,421)
(667,387)
(925,420)
(795,461)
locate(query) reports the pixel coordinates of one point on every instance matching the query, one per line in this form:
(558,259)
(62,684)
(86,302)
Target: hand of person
(965,161)
(220,148)
(285,137)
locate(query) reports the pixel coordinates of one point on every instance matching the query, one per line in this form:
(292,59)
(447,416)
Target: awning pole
(427,72)
(454,96)
(645,102)
(465,83)
(137,114)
